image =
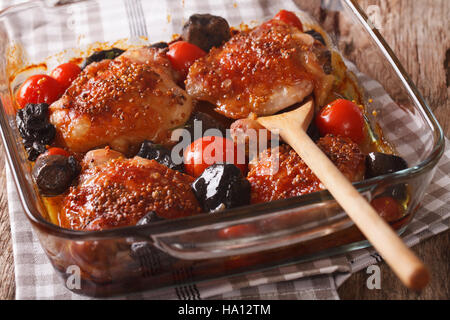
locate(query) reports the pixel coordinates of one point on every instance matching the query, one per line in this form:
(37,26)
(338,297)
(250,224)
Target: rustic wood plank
(7,284)
(418,33)
(434,252)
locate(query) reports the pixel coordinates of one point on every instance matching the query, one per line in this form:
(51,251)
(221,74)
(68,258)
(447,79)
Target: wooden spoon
(292,127)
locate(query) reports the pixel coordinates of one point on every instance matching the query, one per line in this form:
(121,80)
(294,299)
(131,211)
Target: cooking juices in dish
(102,134)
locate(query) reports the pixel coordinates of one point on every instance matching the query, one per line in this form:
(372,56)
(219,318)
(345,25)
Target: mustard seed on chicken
(121,103)
(260,71)
(118,192)
(280,173)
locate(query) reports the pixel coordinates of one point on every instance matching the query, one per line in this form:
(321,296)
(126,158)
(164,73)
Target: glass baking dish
(193,249)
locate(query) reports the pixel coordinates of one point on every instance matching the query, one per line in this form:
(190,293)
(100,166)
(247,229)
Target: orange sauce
(41,66)
(76,60)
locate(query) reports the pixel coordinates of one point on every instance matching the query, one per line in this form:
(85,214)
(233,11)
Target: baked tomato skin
(342,118)
(57,151)
(289,18)
(207,151)
(388,208)
(66,73)
(39,88)
(182,55)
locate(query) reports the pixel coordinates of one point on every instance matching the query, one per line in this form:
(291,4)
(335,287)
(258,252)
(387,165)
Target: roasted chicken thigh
(120,103)
(280,173)
(261,71)
(113,191)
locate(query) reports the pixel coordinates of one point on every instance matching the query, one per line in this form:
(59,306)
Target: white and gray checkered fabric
(35,277)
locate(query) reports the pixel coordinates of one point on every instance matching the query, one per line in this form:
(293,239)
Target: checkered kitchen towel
(35,277)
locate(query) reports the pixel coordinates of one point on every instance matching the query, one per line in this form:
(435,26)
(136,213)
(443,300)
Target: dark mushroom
(34,149)
(206,31)
(317,36)
(159,45)
(153,151)
(221,186)
(55,173)
(201,123)
(378,164)
(35,128)
(321,51)
(102,55)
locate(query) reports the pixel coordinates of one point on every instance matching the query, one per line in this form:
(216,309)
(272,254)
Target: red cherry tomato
(182,55)
(58,151)
(39,88)
(207,151)
(342,117)
(289,18)
(66,73)
(387,208)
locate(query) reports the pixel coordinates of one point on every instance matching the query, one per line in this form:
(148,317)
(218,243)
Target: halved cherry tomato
(342,117)
(207,151)
(289,18)
(66,73)
(58,151)
(39,88)
(182,55)
(388,208)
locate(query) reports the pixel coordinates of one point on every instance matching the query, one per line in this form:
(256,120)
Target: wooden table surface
(418,32)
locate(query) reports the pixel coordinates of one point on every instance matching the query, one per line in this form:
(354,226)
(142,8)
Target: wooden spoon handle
(401,259)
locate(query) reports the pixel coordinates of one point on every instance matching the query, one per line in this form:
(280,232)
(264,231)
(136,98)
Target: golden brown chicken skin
(280,173)
(120,103)
(261,71)
(118,192)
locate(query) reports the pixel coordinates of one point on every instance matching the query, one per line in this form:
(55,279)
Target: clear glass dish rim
(235,216)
